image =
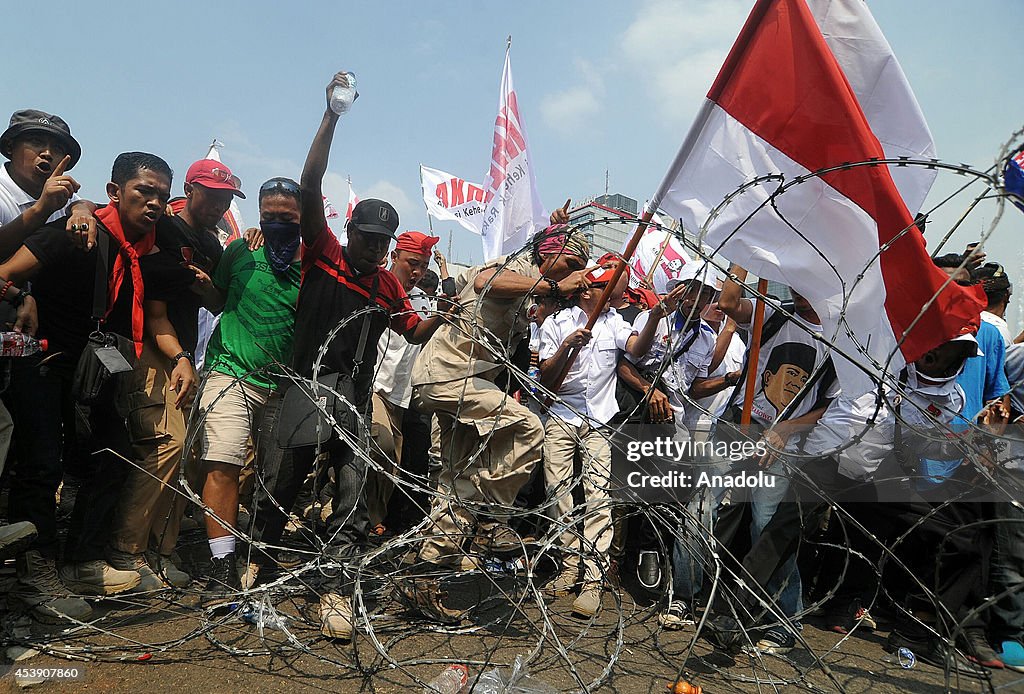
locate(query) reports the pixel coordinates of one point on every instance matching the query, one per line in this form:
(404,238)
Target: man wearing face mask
(187,251)
(337,282)
(259,290)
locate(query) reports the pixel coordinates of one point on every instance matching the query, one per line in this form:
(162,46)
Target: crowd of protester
(874,501)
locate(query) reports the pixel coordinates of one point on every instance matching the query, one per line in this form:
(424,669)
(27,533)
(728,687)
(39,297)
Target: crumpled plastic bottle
(511,681)
(343,97)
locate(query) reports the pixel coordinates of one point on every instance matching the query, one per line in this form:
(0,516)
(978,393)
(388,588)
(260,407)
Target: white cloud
(573,109)
(677,49)
(407,210)
(567,111)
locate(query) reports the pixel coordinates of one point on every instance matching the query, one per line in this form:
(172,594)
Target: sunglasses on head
(283,184)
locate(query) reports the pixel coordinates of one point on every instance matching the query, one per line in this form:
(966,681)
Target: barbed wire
(504,596)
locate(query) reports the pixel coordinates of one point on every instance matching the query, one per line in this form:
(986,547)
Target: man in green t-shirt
(260,290)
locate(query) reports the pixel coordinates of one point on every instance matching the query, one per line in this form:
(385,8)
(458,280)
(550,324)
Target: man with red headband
(489,442)
(392,389)
(586,402)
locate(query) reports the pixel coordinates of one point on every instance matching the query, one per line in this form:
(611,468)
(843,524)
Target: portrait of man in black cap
(34,186)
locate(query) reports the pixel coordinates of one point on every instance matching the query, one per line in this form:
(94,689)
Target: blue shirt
(982,380)
(984,376)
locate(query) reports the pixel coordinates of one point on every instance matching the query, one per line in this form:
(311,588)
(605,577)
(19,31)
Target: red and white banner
(452,199)
(512,207)
(331,212)
(231,223)
(785,104)
(661,250)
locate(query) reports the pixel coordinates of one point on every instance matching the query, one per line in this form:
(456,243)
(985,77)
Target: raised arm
(313,221)
(731,301)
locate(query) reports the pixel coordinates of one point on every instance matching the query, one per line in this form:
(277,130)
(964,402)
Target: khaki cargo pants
(489,446)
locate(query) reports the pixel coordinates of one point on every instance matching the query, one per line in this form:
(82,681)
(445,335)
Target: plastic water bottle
(20,345)
(534,373)
(342,97)
(452,680)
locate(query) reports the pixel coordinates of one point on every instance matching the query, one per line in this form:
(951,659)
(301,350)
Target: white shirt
(1001,325)
(14,200)
(589,388)
(796,356)
(395,357)
(715,404)
(680,374)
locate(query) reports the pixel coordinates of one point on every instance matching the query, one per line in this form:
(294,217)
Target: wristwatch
(23,292)
(186,355)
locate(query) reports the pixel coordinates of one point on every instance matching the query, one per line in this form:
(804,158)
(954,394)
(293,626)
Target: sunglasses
(226,177)
(284,184)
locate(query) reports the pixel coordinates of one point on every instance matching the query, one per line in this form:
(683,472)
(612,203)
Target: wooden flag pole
(754,353)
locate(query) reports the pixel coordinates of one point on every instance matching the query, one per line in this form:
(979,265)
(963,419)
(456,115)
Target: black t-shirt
(168,280)
(331,290)
(63,289)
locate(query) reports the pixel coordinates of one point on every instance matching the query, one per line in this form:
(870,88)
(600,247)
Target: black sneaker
(676,616)
(775,641)
(978,649)
(724,633)
(648,570)
(223,581)
(843,617)
(935,652)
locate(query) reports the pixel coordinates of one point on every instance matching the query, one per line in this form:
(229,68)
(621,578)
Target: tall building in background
(606,221)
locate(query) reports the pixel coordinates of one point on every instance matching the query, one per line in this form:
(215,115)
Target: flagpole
(652,205)
(754,353)
(430,221)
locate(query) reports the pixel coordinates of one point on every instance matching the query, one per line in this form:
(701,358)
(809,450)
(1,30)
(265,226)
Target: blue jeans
(690,554)
(764,501)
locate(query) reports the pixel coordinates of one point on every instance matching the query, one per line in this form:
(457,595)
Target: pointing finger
(61,167)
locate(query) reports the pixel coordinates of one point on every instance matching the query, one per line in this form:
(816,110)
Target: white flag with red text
(809,85)
(452,199)
(659,255)
(512,207)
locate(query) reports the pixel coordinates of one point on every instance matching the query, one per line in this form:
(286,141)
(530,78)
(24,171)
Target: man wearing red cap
(391,387)
(586,402)
(186,254)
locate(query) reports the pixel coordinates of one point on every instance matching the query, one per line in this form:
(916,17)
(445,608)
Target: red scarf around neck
(111,219)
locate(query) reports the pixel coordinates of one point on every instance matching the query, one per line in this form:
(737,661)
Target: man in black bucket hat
(34,188)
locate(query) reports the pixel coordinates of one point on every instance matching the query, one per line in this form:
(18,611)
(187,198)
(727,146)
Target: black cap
(30,120)
(993,277)
(373,216)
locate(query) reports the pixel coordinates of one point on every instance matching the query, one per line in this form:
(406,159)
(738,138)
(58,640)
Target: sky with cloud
(603,87)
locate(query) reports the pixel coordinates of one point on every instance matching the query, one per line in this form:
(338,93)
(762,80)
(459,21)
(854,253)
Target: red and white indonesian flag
(512,207)
(661,250)
(812,84)
(231,222)
(452,199)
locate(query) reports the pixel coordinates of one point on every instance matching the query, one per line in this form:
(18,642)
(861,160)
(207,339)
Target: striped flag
(807,87)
